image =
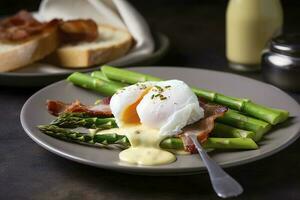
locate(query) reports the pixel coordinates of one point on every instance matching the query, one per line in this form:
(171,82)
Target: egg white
(171,109)
(168,105)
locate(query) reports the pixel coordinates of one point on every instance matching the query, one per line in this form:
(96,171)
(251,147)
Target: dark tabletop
(196,31)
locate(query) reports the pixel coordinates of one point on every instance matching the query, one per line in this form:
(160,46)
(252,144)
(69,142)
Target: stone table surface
(196,31)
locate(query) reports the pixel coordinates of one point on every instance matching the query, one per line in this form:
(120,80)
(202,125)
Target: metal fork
(224,185)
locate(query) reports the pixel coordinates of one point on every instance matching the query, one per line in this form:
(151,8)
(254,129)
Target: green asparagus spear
(271,115)
(69,120)
(225,131)
(95,84)
(99,75)
(232,118)
(112,138)
(126,76)
(229,143)
(169,143)
(172,143)
(238,120)
(74,120)
(65,134)
(213,143)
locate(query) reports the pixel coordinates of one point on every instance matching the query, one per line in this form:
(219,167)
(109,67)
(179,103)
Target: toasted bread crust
(40,46)
(74,57)
(30,51)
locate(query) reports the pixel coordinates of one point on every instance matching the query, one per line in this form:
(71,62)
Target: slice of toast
(17,55)
(112,43)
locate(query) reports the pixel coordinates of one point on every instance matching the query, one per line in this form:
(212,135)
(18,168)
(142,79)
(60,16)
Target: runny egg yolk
(147,113)
(130,115)
(144,140)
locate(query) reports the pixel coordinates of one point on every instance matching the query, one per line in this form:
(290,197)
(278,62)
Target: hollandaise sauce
(250,24)
(144,149)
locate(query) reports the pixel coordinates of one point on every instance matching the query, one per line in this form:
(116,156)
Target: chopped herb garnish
(163,98)
(159,88)
(141,86)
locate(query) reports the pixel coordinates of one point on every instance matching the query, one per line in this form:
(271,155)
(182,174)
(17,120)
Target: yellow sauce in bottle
(250,24)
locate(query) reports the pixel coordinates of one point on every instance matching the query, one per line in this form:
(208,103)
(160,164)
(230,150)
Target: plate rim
(154,170)
(41,79)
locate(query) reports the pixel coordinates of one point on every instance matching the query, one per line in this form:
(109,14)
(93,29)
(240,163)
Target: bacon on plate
(101,109)
(204,126)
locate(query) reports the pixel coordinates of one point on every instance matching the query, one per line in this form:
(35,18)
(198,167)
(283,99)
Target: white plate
(34,113)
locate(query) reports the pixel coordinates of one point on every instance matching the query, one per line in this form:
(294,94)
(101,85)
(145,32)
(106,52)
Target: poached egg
(167,106)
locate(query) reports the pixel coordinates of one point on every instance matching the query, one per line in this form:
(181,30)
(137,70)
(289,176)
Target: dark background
(196,29)
(201,22)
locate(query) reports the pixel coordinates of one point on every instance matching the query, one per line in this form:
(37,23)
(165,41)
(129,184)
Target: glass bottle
(250,24)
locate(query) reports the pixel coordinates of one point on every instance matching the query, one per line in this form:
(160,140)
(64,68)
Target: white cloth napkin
(118,13)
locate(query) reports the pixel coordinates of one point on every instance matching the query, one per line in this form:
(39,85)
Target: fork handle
(224,185)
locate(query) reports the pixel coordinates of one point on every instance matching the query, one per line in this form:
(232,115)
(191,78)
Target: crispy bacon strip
(100,110)
(203,127)
(23,25)
(78,30)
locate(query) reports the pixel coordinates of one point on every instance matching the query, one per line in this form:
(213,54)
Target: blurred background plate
(41,74)
(34,113)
